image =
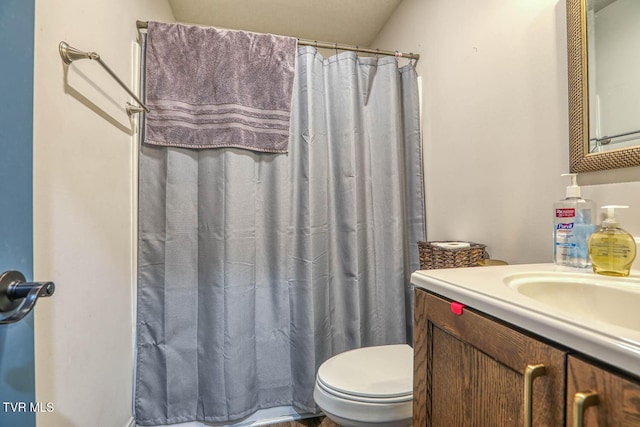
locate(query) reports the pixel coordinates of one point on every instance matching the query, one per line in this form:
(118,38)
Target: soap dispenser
(612,249)
(574,221)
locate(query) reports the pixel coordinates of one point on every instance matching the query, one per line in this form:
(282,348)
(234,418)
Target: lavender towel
(209,88)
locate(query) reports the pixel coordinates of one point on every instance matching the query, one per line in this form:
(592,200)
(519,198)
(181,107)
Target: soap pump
(612,249)
(574,221)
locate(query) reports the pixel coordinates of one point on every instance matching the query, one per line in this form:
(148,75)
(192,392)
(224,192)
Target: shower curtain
(255,268)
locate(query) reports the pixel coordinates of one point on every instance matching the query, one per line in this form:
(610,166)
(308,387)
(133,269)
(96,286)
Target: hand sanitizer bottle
(574,221)
(611,248)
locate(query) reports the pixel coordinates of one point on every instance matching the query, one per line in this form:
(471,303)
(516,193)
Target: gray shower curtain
(254,268)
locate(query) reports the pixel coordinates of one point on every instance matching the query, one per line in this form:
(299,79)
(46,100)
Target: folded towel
(208,88)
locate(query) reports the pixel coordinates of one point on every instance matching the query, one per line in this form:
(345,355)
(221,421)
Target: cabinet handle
(531,373)
(582,401)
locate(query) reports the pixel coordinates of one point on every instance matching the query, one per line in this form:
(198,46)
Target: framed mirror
(596,141)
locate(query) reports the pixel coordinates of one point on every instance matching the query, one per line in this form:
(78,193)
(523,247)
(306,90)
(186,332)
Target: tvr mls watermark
(28,407)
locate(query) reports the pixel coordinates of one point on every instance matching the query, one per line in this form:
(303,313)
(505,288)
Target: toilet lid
(378,372)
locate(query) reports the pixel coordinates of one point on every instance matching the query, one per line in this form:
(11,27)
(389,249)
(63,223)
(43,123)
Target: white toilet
(370,386)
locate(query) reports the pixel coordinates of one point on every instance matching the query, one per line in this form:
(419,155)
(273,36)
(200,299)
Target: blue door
(17,378)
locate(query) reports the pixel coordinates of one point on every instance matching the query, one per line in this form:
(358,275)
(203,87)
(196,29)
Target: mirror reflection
(613,44)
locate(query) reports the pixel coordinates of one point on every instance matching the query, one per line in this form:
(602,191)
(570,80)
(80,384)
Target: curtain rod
(143,25)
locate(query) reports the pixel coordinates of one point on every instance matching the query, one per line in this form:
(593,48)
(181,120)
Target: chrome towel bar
(70,54)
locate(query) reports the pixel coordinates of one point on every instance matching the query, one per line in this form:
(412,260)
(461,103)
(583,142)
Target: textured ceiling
(354,22)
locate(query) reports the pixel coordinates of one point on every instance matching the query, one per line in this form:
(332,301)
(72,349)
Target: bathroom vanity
(532,345)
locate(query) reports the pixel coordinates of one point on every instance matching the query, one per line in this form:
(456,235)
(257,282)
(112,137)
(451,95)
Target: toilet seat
(381,372)
(367,386)
(364,399)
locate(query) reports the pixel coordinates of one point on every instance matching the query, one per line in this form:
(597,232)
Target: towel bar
(70,54)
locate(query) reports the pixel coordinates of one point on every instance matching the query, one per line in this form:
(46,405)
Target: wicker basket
(433,256)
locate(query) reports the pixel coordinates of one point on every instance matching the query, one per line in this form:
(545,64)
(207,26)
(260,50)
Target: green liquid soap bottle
(612,249)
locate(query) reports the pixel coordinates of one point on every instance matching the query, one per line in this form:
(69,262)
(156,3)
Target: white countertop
(484,289)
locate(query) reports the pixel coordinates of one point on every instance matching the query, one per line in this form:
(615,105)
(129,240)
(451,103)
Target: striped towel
(209,88)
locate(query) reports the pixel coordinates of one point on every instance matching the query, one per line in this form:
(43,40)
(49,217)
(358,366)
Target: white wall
(83,228)
(496,122)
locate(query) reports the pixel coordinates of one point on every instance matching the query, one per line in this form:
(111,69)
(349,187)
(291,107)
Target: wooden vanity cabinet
(470,370)
(618,398)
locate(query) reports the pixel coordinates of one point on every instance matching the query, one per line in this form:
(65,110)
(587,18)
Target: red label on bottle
(565,213)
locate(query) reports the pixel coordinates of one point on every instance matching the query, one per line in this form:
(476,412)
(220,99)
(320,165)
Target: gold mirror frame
(580,160)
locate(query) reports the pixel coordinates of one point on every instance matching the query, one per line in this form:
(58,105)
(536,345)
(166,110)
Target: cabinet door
(470,371)
(618,398)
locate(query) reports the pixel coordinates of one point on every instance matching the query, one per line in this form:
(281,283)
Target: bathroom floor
(310,422)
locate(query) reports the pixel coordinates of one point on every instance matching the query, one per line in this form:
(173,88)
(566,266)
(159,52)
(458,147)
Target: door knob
(18,297)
